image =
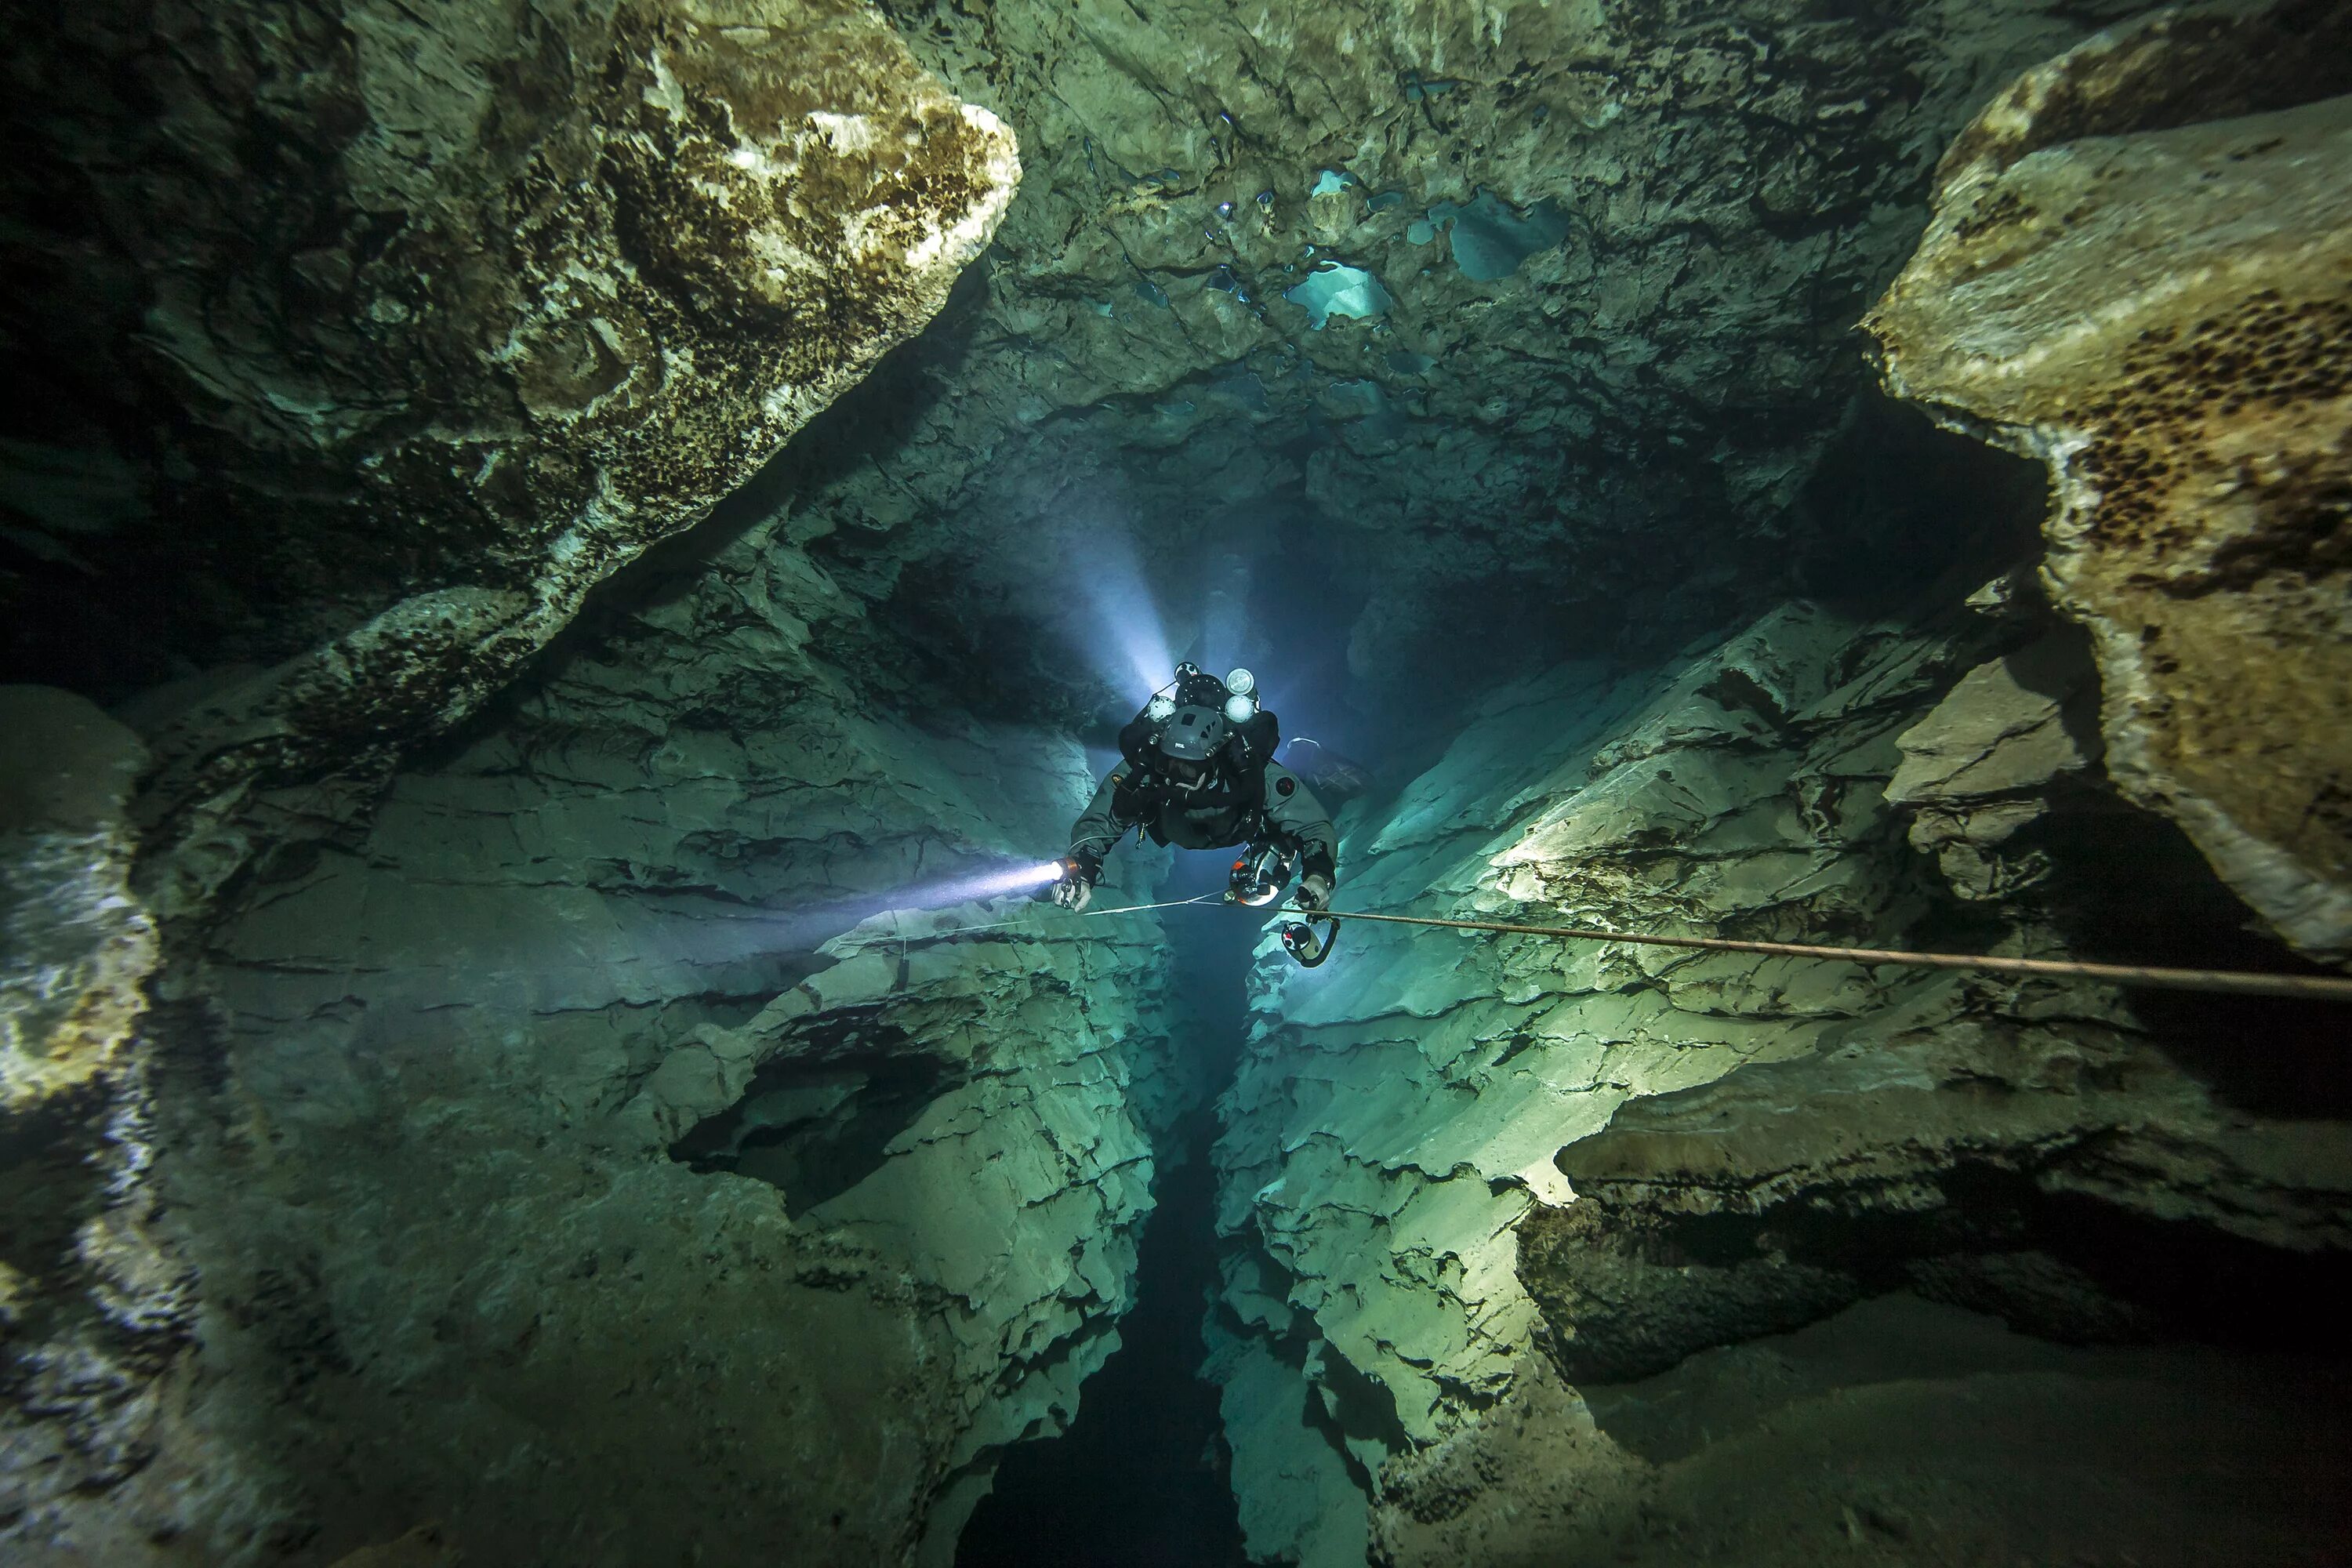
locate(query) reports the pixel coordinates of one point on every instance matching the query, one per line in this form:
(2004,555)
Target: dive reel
(1258,879)
(1259,876)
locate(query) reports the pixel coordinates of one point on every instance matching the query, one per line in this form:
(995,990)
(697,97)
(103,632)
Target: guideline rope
(2223,982)
(1085,915)
(2228,981)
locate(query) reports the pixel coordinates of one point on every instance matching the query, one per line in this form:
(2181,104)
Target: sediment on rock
(436,320)
(1460,1169)
(2185,173)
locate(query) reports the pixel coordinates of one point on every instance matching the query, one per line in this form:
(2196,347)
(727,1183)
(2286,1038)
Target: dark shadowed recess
(1140,1479)
(815,1128)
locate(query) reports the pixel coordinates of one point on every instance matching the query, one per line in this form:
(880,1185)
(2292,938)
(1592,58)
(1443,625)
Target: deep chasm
(703,697)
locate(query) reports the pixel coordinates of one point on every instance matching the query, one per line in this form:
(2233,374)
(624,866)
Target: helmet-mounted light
(1160,707)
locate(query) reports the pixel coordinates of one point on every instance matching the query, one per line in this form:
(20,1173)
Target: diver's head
(1189,740)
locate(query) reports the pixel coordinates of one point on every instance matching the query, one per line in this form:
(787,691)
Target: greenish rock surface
(1459,1169)
(1735,183)
(438,317)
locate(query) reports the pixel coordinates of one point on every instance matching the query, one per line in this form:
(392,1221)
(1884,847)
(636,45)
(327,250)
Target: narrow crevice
(1141,1476)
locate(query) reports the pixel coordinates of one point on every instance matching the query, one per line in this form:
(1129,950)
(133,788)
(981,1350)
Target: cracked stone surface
(1723,190)
(1981,767)
(91,1303)
(427,1161)
(2196,426)
(1430,1179)
(437,317)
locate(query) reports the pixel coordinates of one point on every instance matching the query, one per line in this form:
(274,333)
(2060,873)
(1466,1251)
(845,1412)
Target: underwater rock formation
(572,1154)
(91,1306)
(1467,1176)
(575,1155)
(1982,766)
(2140,272)
(1711,193)
(437,317)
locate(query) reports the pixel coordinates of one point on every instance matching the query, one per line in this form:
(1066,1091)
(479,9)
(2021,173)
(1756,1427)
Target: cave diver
(1197,771)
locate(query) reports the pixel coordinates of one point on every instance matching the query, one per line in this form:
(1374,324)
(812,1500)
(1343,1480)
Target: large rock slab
(435,317)
(2140,272)
(609,1111)
(1619,249)
(1470,1180)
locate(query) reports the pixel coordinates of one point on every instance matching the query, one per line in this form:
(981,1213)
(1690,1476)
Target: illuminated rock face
(492,303)
(2140,272)
(1602,263)
(90,1302)
(436,1154)
(1479,1188)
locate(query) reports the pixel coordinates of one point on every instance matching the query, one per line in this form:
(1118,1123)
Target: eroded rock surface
(581,1153)
(1597,266)
(91,1306)
(1434,1166)
(2140,272)
(1986,763)
(435,317)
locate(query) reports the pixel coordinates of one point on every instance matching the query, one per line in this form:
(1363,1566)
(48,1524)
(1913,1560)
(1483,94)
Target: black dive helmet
(1195,718)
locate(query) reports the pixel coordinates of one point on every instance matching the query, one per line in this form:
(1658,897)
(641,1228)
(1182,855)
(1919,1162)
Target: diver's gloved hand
(1314,892)
(1077,884)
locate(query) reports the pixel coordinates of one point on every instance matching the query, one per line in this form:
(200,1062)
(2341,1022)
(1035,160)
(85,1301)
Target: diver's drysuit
(1193,777)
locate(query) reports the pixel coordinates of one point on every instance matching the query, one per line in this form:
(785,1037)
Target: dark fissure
(568,575)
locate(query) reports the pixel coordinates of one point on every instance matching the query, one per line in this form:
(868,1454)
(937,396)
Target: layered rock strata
(595,1157)
(435,318)
(2140,272)
(1467,1176)
(1453,303)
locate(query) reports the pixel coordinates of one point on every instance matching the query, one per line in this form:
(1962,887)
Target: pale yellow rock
(2134,279)
(76,947)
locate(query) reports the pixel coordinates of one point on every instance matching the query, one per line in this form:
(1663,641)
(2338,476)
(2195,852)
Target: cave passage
(1140,1478)
(564,572)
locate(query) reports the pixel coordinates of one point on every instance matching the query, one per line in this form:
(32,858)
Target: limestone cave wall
(1474,1185)
(530,652)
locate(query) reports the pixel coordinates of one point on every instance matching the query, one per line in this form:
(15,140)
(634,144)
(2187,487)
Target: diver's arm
(1100,826)
(1292,814)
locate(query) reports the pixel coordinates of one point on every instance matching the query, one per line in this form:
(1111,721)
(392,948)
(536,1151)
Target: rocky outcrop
(2139,273)
(434,319)
(91,1306)
(605,1145)
(1437,1173)
(1596,266)
(1983,766)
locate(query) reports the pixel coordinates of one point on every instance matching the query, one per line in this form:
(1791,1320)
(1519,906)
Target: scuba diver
(1198,772)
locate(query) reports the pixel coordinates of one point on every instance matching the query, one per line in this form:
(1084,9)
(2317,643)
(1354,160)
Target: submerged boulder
(407,328)
(1477,1187)
(2140,272)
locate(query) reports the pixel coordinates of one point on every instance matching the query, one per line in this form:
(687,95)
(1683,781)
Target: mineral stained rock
(1720,190)
(436,316)
(76,944)
(1465,1176)
(2140,272)
(90,1304)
